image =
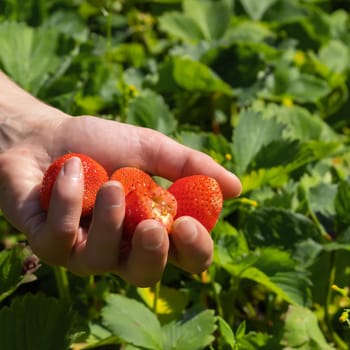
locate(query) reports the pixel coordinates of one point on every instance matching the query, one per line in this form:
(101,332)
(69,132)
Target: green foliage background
(260,85)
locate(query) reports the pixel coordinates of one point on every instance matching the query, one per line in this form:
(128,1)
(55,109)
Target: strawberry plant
(262,86)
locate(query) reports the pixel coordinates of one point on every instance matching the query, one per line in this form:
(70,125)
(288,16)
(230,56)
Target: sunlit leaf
(212,17)
(274,177)
(257,8)
(196,76)
(28,55)
(133,322)
(230,244)
(227,332)
(302,331)
(170,302)
(194,334)
(180,26)
(252,132)
(150,110)
(335,55)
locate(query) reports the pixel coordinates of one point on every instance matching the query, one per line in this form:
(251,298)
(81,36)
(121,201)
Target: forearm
(21,114)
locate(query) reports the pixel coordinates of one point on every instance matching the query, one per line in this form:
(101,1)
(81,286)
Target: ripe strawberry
(198,196)
(157,204)
(133,178)
(94,176)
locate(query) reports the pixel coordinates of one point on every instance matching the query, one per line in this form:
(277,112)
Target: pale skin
(33,134)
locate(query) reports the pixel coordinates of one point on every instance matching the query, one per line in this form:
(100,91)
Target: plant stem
(107,13)
(156,297)
(331,279)
(219,307)
(62,282)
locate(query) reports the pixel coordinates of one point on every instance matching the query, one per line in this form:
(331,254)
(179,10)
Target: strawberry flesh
(157,204)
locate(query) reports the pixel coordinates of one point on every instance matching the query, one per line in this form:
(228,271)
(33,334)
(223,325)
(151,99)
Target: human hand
(59,238)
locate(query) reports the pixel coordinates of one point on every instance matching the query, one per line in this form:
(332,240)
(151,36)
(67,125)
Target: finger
(148,255)
(55,243)
(184,161)
(192,248)
(150,152)
(99,253)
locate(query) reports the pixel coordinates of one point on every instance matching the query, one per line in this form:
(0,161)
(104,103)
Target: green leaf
(276,270)
(241,330)
(252,132)
(150,110)
(250,32)
(306,252)
(322,198)
(307,88)
(276,153)
(254,274)
(28,54)
(194,334)
(11,264)
(68,23)
(213,17)
(196,76)
(335,55)
(226,332)
(277,226)
(301,331)
(131,53)
(256,340)
(230,244)
(292,154)
(257,8)
(291,82)
(201,19)
(36,322)
(132,322)
(170,302)
(274,177)
(180,26)
(278,175)
(300,124)
(342,203)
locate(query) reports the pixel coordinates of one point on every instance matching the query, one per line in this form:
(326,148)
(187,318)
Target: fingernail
(73,168)
(237,184)
(112,195)
(152,238)
(186,230)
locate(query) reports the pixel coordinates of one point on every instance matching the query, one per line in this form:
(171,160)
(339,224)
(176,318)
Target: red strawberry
(94,176)
(133,178)
(157,204)
(198,196)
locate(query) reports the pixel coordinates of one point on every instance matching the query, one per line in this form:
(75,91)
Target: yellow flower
(133,90)
(287,101)
(250,202)
(299,58)
(344,316)
(228,156)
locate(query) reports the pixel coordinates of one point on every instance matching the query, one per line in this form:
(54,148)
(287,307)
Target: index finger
(167,158)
